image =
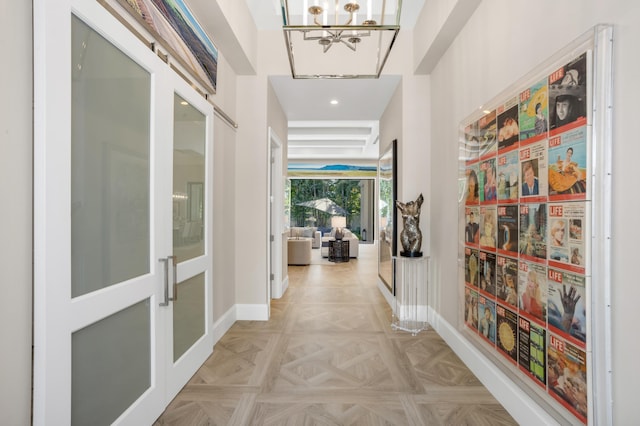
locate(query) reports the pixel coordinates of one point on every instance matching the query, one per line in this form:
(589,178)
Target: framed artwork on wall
(534,219)
(173,26)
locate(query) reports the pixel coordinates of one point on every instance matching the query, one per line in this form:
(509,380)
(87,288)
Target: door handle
(166,281)
(174,263)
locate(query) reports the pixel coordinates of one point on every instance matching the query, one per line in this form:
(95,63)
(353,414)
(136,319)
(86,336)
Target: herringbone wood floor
(328,356)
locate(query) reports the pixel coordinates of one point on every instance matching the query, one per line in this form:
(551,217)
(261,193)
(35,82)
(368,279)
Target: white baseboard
(252,312)
(522,408)
(385,292)
(223,324)
(237,312)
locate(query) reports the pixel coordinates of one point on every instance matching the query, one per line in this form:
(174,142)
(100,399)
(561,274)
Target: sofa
(297,232)
(354,243)
(299,251)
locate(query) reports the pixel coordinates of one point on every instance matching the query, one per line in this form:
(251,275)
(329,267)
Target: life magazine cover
(534,113)
(471,266)
(508,128)
(487,128)
(532,351)
(471,142)
(567,223)
(567,311)
(567,375)
(508,230)
(507,280)
(488,273)
(488,181)
(487,318)
(508,172)
(533,172)
(488,224)
(472,226)
(471,308)
(533,232)
(568,95)
(568,165)
(532,291)
(507,332)
(472,196)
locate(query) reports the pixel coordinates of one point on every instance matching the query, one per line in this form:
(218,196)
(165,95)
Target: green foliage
(387,196)
(344,192)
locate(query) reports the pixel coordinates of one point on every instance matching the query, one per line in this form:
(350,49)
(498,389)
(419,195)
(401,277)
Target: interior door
(122,318)
(189,325)
(97,345)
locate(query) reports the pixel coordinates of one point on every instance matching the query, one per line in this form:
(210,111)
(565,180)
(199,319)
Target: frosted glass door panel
(189,332)
(188,315)
(189,136)
(109,163)
(111,365)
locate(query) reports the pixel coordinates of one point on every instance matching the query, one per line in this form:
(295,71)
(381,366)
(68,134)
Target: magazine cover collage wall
(526,210)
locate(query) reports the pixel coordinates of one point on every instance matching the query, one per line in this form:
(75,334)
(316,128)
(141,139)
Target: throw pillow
(307,232)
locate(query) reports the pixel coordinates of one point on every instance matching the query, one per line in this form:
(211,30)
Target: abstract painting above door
(174,27)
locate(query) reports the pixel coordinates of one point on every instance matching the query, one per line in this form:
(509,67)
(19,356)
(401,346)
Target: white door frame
(275,214)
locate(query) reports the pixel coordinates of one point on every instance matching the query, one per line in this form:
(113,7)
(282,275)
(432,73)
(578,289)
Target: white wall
(224,193)
(258,110)
(415,154)
(251,195)
(503,40)
(231,27)
(16,211)
(391,121)
(407,118)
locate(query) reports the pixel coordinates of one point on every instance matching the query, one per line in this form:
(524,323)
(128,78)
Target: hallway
(328,356)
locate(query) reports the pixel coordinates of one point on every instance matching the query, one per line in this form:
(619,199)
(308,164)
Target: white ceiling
(346,130)
(319,130)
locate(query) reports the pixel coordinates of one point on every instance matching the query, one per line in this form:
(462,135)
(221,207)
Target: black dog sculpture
(411,236)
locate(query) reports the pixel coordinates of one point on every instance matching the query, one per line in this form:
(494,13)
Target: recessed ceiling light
(184,103)
(334,102)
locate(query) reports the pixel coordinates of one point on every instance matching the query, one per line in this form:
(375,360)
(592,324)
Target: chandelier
(362,31)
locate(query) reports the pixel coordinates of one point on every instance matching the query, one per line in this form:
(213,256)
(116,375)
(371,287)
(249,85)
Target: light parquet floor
(328,356)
